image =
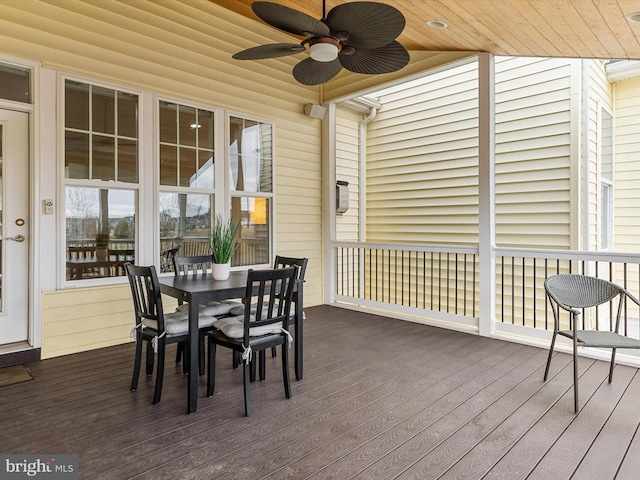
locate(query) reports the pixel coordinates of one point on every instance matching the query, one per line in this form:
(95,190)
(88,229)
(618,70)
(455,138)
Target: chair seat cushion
(232,327)
(238,309)
(213,308)
(175,325)
(602,339)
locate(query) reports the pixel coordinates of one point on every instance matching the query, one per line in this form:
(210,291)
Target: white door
(14,227)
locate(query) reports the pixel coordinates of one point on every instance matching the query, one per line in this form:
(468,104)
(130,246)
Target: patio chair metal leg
(575,373)
(613,364)
(553,343)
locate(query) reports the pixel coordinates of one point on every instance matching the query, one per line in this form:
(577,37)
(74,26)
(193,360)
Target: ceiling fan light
(324,50)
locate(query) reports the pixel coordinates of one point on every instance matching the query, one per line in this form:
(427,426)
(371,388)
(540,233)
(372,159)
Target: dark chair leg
(285,369)
(263,364)
(211,378)
(201,355)
(159,371)
(553,342)
(235,357)
(246,374)
(613,363)
(179,350)
(150,355)
(136,364)
(252,369)
(274,352)
(186,355)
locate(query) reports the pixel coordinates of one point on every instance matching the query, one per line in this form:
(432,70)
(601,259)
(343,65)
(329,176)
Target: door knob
(18,238)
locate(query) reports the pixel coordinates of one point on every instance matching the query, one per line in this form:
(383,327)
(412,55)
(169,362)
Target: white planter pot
(220,271)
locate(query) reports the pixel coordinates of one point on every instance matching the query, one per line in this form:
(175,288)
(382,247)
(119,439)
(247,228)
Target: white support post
(486,187)
(329,202)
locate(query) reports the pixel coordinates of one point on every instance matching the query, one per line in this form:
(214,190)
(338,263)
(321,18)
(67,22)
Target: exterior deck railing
(442,282)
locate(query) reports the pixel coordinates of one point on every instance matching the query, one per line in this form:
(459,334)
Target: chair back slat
(284,262)
(145,290)
(194,265)
(272,289)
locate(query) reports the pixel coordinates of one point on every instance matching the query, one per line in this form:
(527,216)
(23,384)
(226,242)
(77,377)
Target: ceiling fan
(358,36)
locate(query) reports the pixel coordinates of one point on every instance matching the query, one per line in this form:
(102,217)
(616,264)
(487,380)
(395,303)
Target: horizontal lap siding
(347,169)
(533,152)
(627,171)
(422,184)
(422,148)
(181,49)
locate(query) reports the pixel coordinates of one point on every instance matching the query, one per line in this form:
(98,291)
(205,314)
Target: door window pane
(15,84)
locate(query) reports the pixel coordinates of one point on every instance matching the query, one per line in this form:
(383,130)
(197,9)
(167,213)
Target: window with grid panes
(100,179)
(187,175)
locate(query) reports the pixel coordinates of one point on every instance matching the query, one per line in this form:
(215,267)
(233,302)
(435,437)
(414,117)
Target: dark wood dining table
(195,289)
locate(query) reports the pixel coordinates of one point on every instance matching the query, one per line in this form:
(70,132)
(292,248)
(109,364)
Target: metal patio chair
(576,293)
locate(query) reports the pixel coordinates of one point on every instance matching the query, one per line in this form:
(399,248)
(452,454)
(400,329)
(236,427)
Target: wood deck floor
(380,399)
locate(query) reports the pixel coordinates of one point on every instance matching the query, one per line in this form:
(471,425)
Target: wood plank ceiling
(538,28)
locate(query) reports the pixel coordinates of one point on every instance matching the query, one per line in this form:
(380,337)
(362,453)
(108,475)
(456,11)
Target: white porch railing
(439,285)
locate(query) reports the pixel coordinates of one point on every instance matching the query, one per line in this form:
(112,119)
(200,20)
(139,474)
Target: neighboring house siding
(627,166)
(533,152)
(422,165)
(191,62)
(422,175)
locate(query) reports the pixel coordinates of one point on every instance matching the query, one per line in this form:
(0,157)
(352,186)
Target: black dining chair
(250,333)
(198,265)
(576,294)
(301,263)
(282,262)
(153,326)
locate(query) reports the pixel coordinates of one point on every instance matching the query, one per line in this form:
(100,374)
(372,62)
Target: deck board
(381,398)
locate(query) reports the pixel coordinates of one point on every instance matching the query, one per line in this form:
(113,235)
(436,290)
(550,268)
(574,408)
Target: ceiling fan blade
(272,50)
(390,58)
(289,20)
(310,72)
(369,24)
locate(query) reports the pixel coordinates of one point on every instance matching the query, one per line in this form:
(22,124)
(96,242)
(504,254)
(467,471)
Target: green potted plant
(223,246)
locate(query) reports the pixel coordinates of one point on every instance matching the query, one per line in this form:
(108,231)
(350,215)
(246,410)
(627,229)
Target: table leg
(298,325)
(192,393)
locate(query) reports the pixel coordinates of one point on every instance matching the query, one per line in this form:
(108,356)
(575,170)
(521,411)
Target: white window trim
(609,219)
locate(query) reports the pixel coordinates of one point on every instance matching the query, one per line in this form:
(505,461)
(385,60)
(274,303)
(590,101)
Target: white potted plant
(223,246)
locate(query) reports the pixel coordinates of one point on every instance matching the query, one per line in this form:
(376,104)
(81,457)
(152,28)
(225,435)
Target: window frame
(148,188)
(606,209)
(110,185)
(270,196)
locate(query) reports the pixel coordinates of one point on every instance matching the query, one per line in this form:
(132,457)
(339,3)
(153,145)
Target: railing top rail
(408,247)
(570,255)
